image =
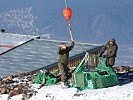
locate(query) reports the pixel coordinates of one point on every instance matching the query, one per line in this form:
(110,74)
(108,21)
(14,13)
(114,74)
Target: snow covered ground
(55,92)
(113,93)
(13,40)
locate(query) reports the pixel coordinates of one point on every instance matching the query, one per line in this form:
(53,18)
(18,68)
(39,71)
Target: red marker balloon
(67,13)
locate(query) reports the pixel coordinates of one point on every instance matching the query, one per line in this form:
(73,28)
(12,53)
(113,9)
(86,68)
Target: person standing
(111,48)
(63,52)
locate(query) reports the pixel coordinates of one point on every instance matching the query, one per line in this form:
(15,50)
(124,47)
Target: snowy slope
(10,39)
(55,92)
(112,93)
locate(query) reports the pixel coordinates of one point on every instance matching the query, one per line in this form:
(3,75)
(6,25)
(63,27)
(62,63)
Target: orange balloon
(67,13)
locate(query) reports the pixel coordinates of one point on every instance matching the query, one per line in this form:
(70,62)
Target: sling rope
(66,3)
(71,35)
(70,30)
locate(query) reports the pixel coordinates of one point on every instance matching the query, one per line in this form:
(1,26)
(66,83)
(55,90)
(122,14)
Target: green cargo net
(99,75)
(46,78)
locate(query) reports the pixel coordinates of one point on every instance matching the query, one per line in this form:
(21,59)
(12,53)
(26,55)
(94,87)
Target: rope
(84,50)
(66,3)
(70,31)
(87,54)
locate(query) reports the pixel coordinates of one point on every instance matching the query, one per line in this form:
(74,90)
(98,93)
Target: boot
(63,85)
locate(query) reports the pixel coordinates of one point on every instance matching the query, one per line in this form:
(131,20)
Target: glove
(105,56)
(99,55)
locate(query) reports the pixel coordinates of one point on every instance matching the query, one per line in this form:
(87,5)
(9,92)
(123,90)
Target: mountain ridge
(92,21)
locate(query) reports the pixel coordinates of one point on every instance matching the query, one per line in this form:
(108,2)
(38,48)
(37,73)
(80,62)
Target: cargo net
(78,78)
(90,62)
(92,72)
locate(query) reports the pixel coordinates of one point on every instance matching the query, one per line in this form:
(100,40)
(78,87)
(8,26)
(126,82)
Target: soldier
(111,48)
(63,52)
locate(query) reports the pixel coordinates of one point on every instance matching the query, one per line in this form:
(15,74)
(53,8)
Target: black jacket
(64,54)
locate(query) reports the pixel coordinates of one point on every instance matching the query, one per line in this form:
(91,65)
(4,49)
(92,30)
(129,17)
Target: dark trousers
(63,69)
(110,61)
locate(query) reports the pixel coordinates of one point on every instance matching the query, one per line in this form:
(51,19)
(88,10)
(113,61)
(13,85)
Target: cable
(66,3)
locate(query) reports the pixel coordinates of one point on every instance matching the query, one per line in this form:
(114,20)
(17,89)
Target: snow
(55,92)
(13,40)
(112,93)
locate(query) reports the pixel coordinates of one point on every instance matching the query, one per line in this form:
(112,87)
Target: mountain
(92,20)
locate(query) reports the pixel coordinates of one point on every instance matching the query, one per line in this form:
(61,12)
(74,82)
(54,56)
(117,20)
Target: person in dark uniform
(111,48)
(63,52)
